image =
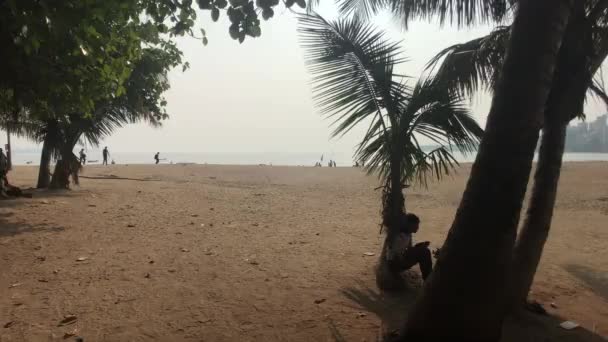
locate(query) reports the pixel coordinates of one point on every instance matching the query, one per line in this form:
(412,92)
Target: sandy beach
(253,253)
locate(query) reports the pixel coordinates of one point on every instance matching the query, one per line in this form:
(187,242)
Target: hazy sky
(256,96)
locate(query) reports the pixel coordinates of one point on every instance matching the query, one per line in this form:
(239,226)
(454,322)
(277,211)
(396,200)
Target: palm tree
(355,81)
(140,100)
(465,297)
(476,64)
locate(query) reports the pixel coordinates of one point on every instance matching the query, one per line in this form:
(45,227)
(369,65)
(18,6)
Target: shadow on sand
(596,280)
(392,310)
(9,226)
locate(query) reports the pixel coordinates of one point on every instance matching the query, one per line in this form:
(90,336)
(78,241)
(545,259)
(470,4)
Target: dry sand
(251,253)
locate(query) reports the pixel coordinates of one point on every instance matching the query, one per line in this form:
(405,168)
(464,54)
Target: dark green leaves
(204,4)
(221,4)
(215,14)
(474,65)
(267,13)
(354,81)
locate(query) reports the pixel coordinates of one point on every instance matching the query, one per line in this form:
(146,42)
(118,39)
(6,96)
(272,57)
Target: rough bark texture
(61,175)
(67,167)
(44,173)
(534,233)
(573,76)
(465,297)
(393,211)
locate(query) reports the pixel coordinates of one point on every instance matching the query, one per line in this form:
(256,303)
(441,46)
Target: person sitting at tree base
(404,254)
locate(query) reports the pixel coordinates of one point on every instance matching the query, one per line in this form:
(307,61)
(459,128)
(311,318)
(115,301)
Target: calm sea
(274,158)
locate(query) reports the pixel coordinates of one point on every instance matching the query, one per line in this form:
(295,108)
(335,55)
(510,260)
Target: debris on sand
(14,285)
(70,333)
(252,262)
(69,319)
(82,258)
(369,253)
(569,325)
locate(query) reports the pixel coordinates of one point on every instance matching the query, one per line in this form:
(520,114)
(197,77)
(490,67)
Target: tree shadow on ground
(596,280)
(9,226)
(527,326)
(392,309)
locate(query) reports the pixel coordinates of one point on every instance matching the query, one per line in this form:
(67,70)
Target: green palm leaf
(353,70)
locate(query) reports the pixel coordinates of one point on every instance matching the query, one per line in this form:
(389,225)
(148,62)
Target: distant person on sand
(404,254)
(157,157)
(83,157)
(105,154)
(3,168)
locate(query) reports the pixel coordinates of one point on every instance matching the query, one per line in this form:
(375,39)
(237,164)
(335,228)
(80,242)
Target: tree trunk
(534,233)
(465,297)
(44,173)
(66,167)
(61,176)
(566,101)
(392,212)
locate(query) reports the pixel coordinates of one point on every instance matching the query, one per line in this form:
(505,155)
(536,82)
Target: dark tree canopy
(65,57)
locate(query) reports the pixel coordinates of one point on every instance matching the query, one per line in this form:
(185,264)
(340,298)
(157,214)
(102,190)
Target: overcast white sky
(256,97)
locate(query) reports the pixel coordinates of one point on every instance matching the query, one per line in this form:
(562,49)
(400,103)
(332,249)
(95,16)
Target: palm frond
(472,66)
(454,12)
(597,88)
(432,112)
(434,164)
(353,69)
(362,8)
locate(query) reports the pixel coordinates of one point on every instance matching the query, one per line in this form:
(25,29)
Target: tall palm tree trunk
(566,101)
(61,175)
(393,209)
(465,297)
(534,233)
(44,173)
(68,166)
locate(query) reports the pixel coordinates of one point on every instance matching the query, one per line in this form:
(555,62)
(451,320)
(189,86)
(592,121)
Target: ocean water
(274,158)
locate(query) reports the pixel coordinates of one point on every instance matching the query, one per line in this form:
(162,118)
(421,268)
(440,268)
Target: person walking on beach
(157,157)
(105,154)
(404,254)
(83,157)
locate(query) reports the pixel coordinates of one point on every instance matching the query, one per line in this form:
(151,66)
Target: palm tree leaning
(467,67)
(465,297)
(355,81)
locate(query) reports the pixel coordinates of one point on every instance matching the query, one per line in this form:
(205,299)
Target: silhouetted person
(3,168)
(83,157)
(404,254)
(105,154)
(157,157)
